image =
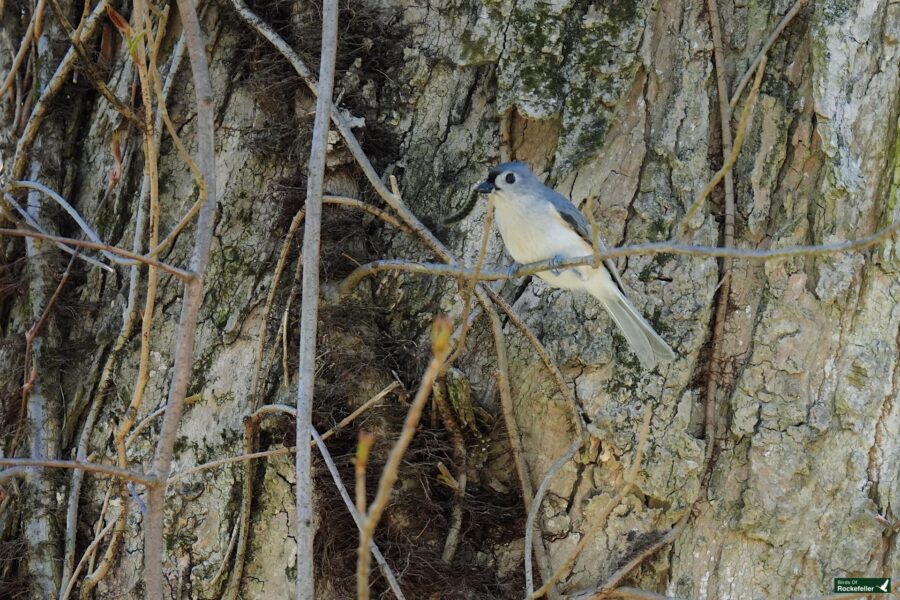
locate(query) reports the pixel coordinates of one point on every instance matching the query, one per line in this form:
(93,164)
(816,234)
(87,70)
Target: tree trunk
(612,101)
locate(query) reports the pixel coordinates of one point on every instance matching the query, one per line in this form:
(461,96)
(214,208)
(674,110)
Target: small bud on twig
(441,330)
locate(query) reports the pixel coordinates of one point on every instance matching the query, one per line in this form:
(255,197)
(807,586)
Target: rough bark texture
(613,100)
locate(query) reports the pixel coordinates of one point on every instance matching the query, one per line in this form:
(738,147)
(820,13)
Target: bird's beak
(485,187)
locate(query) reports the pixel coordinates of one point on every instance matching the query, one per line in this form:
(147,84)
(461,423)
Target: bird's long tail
(644,341)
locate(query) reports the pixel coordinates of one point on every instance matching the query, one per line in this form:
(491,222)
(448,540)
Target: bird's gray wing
(577,221)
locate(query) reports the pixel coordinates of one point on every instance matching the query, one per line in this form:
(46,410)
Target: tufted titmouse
(537,223)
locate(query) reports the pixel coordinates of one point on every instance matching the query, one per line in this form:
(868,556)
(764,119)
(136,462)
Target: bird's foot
(513,270)
(554,264)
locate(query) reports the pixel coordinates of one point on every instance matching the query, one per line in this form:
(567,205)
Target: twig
(728,155)
(785,21)
(309,310)
(459,454)
(212,588)
(20,56)
(725,171)
(193,297)
(357,517)
(28,374)
(90,69)
(372,210)
(139,47)
(128,319)
(274,409)
(515,439)
(363,449)
(221,462)
(630,593)
(91,467)
(634,561)
(598,523)
(440,348)
(59,78)
(66,206)
(69,582)
(535,508)
(363,408)
(515,319)
(163,114)
(22,233)
(37,227)
(473,281)
(270,300)
(232,588)
(650,248)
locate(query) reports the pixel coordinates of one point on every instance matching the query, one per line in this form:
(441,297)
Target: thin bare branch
(649,248)
(515,319)
(20,56)
(773,37)
(29,374)
(193,298)
(623,571)
(31,222)
(82,224)
(460,456)
(535,509)
(229,461)
(362,408)
(472,282)
(372,210)
(90,467)
(732,154)
(309,310)
(90,69)
(21,233)
(598,522)
(360,461)
(59,78)
(357,517)
(69,582)
(515,439)
(441,331)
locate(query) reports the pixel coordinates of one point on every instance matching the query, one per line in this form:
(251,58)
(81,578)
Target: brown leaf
(117,156)
(119,21)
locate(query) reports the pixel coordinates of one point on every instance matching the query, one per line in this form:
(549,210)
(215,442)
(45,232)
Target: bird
(537,223)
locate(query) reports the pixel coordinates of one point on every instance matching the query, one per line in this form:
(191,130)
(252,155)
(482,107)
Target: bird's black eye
(510,178)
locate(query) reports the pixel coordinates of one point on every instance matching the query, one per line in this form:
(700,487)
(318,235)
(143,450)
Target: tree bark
(616,101)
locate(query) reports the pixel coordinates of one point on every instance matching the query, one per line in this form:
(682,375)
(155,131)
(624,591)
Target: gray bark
(613,100)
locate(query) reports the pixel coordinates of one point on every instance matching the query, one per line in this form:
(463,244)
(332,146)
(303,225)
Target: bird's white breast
(532,230)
